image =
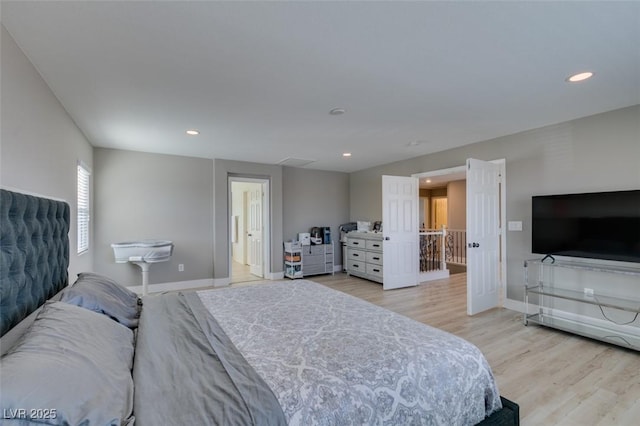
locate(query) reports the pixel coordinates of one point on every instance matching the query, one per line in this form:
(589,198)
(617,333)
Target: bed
(291,352)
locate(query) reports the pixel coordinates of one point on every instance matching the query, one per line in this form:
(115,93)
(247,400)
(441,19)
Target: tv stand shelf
(599,333)
(608,331)
(587,266)
(599,300)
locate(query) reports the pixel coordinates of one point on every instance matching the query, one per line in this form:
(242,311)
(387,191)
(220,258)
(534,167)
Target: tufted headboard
(34,254)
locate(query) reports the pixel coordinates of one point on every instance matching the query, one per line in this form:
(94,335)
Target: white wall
(40,143)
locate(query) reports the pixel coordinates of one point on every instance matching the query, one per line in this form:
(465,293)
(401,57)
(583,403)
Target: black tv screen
(599,225)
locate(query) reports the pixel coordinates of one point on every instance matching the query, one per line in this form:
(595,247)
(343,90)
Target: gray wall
(315,198)
(41,145)
(597,153)
(457,204)
(185,200)
(154,196)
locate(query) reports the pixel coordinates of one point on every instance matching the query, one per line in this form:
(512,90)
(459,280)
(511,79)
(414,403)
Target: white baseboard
(275,276)
(185,285)
(337,268)
(518,306)
(433,275)
(182,285)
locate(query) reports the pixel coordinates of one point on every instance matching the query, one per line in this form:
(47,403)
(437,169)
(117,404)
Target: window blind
(83,208)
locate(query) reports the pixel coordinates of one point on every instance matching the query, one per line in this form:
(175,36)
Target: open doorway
(248,229)
(439,212)
(457,244)
(443,224)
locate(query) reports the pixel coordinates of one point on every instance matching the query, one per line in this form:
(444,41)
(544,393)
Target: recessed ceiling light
(428,180)
(346,154)
(337,111)
(193,132)
(580,77)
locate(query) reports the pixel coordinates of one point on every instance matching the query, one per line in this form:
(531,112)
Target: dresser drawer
(313,249)
(355,266)
(374,257)
(354,254)
(375,270)
(308,260)
(314,269)
(374,245)
(356,242)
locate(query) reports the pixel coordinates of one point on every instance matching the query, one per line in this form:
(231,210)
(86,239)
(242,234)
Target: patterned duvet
(333,359)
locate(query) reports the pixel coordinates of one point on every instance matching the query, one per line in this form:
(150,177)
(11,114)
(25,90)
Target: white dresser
(364,255)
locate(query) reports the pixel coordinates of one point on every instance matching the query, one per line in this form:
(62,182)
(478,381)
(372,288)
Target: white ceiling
(259,78)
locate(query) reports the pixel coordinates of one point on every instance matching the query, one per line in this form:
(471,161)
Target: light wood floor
(241,273)
(556,378)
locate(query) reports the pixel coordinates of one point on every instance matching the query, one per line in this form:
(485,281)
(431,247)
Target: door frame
(266,221)
(503,214)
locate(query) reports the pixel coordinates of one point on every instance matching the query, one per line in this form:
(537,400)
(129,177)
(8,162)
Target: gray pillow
(105,296)
(73,366)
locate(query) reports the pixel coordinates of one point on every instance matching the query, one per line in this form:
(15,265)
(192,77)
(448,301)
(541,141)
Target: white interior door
(254,233)
(483,234)
(245,227)
(400,230)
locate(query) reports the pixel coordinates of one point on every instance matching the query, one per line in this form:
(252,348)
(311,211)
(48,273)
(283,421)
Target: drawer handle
(355,243)
(356,266)
(376,270)
(376,258)
(376,245)
(355,254)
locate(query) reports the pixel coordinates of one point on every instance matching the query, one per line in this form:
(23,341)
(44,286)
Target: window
(83,207)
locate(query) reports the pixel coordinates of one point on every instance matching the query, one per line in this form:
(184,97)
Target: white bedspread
(333,359)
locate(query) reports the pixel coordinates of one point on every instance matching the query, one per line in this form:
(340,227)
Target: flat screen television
(599,225)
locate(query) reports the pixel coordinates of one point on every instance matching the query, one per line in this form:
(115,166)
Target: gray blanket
(187,372)
(333,359)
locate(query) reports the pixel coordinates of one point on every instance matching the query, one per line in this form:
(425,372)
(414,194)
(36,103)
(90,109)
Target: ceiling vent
(295,162)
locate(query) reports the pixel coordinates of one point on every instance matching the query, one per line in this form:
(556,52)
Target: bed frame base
(509,415)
